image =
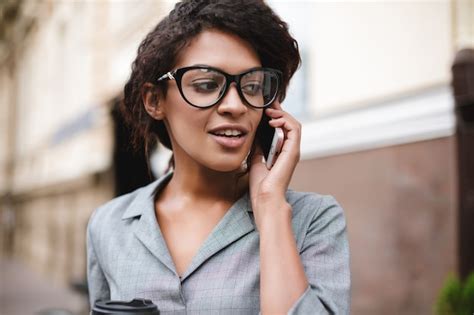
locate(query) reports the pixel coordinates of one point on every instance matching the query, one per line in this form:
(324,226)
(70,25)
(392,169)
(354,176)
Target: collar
(145,197)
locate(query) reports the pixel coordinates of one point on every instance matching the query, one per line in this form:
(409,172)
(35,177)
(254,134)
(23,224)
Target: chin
(226,166)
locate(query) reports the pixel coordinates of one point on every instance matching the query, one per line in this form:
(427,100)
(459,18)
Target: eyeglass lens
(203,87)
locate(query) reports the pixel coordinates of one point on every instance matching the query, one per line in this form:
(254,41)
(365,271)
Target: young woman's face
(197,134)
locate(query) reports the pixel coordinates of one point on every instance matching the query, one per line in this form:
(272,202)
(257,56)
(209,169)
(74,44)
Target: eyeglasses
(203,87)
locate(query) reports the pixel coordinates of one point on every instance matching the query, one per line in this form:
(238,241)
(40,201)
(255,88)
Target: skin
(204,185)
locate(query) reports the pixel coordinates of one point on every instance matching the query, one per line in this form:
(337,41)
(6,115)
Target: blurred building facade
(61,69)
(378,131)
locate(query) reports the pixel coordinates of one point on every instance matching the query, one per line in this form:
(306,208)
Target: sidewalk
(24,292)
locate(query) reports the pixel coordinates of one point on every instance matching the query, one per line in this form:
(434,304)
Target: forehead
(219,49)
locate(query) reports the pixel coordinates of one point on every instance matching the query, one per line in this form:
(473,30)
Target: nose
(231,103)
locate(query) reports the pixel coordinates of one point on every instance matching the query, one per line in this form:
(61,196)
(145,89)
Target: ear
(151,97)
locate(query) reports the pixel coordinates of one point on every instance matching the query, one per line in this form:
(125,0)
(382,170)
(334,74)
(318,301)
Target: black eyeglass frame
(177,75)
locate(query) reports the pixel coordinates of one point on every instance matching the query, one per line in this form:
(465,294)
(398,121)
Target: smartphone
(270,140)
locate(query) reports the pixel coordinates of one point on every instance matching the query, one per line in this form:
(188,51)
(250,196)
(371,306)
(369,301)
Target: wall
(57,78)
(401,208)
(50,226)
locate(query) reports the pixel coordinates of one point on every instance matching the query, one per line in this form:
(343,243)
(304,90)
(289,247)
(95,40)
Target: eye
(205,86)
(252,88)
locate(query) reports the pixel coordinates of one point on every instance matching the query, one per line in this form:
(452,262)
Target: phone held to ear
(270,140)
(275,148)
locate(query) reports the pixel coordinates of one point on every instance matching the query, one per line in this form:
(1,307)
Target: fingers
(274,113)
(277,105)
(291,127)
(277,122)
(282,119)
(257,165)
(280,174)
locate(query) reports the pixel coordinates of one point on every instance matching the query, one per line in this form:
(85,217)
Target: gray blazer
(127,257)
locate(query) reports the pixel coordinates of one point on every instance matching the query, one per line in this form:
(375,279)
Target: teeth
(228,132)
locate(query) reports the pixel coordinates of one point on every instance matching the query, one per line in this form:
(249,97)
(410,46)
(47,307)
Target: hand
(268,187)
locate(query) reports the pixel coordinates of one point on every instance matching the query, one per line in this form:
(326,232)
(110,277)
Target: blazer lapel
(145,225)
(235,224)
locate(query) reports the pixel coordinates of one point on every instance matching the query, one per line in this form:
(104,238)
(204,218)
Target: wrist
(269,198)
(273,216)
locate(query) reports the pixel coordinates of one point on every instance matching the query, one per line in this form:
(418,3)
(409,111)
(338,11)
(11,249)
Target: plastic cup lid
(135,306)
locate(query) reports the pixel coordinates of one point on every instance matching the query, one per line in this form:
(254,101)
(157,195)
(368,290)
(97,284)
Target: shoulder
(128,205)
(113,209)
(311,204)
(109,216)
(315,213)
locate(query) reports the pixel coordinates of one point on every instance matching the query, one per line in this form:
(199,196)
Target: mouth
(229,137)
(228,133)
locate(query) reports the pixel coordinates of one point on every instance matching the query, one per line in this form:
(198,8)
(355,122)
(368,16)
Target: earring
(244,166)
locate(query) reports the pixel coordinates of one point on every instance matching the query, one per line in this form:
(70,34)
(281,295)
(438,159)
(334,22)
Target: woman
(221,233)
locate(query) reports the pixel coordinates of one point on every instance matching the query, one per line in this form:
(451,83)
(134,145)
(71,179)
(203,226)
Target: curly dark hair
(252,20)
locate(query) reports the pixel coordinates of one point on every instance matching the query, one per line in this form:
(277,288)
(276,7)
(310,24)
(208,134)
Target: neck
(202,184)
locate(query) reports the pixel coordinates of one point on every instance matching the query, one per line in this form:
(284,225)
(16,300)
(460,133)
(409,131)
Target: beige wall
(6,98)
(65,72)
(75,59)
(359,53)
(463,15)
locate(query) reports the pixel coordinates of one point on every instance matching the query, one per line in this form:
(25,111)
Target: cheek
(180,115)
(256,118)
(185,123)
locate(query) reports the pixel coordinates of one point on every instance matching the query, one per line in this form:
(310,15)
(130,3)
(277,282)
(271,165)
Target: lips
(229,142)
(226,128)
(229,135)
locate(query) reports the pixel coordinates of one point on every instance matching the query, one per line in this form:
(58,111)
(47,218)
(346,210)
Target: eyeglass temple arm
(166,76)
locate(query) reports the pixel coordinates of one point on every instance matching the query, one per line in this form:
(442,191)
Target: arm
(316,279)
(282,277)
(325,257)
(97,283)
